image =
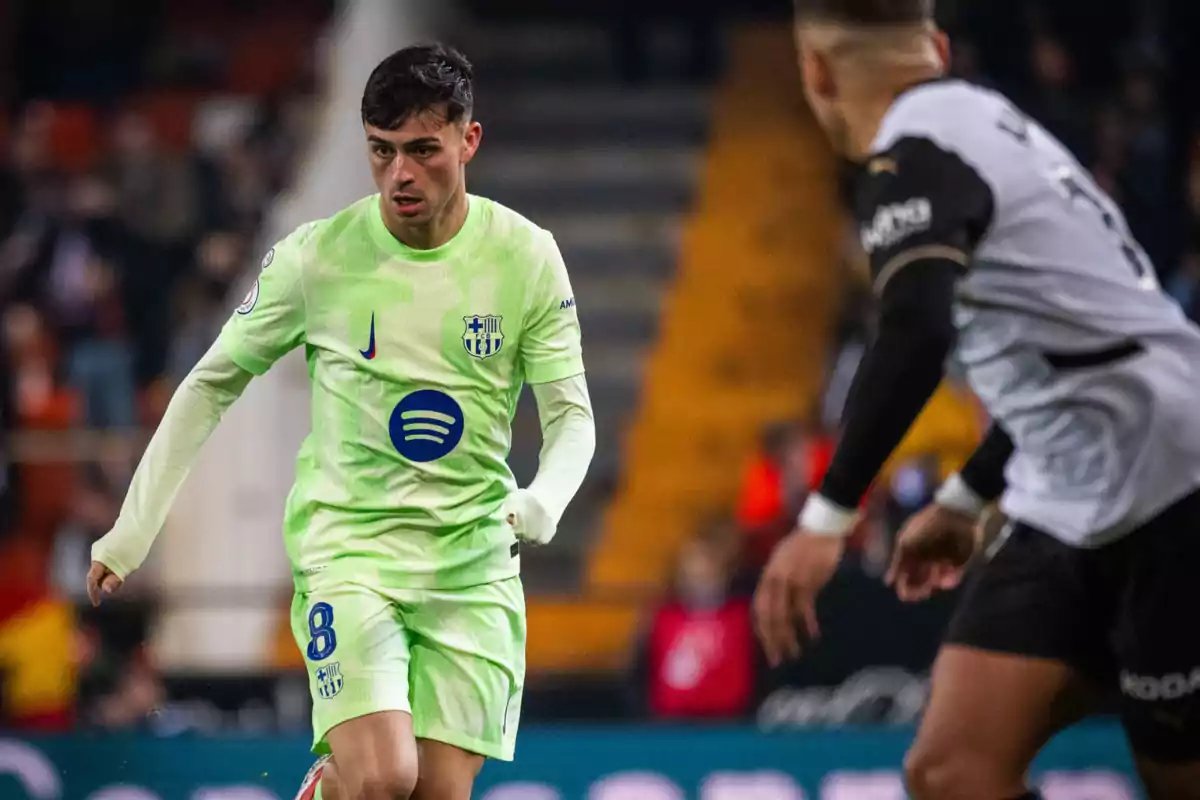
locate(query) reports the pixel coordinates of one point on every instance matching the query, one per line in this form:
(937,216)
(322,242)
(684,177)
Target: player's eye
(424,151)
(382,151)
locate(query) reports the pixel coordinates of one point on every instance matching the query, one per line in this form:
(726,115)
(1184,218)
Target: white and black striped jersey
(1062,330)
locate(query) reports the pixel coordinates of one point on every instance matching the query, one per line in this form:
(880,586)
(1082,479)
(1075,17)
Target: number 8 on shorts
(322,640)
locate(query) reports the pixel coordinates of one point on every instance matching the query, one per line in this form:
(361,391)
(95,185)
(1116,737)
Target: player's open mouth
(406,204)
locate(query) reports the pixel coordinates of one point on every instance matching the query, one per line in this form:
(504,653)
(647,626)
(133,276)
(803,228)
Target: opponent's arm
(265,326)
(981,480)
(552,360)
(192,415)
(922,210)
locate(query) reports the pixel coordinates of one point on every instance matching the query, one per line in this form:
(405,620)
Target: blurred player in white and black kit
(991,246)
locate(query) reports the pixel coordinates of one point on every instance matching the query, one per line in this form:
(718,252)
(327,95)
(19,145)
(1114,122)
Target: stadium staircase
(610,170)
(705,309)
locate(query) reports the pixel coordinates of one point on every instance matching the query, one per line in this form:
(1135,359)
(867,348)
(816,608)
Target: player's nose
(400,172)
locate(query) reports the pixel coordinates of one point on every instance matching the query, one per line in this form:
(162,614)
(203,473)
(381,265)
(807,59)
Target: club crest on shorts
(329,680)
(483,337)
(250,300)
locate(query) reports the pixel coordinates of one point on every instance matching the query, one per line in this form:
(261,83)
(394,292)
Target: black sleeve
(984,470)
(917,200)
(921,211)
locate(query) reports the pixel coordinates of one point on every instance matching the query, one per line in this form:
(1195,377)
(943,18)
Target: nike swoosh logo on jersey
(369,353)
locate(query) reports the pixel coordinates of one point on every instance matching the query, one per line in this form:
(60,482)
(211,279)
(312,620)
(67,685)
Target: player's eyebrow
(424,141)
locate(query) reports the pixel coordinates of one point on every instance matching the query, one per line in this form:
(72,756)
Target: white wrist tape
(825,518)
(955,495)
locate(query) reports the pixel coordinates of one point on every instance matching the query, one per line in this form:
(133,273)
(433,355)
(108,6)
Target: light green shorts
(454,659)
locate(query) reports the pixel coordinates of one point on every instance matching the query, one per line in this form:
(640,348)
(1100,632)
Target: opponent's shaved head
(864,13)
(858,54)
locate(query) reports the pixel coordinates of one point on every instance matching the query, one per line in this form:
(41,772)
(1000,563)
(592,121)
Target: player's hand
(798,569)
(529,519)
(932,550)
(101,580)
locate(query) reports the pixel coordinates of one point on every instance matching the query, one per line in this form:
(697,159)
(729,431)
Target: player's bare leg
(446,772)
(1169,781)
(988,715)
(376,757)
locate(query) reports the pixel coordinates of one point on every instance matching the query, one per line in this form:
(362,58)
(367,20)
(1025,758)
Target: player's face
(419,167)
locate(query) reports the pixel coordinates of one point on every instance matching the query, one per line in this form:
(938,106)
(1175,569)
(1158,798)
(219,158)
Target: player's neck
(862,125)
(864,117)
(441,228)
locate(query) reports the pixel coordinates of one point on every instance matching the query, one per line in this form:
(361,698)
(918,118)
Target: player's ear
(472,135)
(819,81)
(941,41)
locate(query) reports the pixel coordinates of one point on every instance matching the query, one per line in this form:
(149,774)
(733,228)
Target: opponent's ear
(819,80)
(941,41)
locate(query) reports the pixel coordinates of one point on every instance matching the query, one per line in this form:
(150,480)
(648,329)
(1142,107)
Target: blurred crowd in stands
(136,163)
(139,149)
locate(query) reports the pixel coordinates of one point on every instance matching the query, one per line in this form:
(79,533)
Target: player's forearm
(568,443)
(192,415)
(899,373)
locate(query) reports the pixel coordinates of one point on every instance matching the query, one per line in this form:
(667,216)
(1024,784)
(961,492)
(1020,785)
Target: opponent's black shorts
(1123,614)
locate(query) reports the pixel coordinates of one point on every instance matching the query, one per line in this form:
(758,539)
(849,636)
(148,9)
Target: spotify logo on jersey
(426,425)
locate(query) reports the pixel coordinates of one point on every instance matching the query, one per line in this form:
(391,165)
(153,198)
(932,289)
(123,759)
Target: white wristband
(956,495)
(822,517)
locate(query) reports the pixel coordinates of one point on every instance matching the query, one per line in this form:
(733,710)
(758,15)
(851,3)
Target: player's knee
(387,785)
(445,784)
(944,774)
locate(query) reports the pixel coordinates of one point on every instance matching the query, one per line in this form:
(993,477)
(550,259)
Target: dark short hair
(417,79)
(865,12)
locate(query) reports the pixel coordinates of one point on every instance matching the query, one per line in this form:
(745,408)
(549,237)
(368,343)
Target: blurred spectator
(38,655)
(964,61)
(1145,196)
(769,493)
(8,430)
(1184,284)
(699,658)
(128,693)
(1054,98)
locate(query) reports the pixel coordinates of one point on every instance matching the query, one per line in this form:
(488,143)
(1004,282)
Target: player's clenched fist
(101,580)
(528,517)
(931,552)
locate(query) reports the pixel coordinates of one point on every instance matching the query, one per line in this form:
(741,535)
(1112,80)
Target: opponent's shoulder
(514,235)
(953,114)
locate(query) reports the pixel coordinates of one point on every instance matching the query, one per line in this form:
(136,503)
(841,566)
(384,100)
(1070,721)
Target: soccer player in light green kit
(423,310)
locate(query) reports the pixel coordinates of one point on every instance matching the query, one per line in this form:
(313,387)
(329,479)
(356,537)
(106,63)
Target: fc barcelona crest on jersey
(329,680)
(483,337)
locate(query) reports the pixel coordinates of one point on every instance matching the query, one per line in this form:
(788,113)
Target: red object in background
(701,662)
(74,137)
(760,501)
(170,114)
(762,512)
(820,456)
